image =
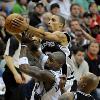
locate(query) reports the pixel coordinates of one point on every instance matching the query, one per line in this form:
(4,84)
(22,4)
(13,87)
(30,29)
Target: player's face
(54,23)
(46,18)
(52,63)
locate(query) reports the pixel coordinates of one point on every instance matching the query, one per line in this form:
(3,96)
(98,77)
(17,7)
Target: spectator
(95,14)
(93,8)
(8,5)
(2,64)
(79,36)
(86,22)
(64,7)
(3,34)
(75,12)
(55,8)
(83,3)
(20,7)
(80,66)
(93,60)
(35,17)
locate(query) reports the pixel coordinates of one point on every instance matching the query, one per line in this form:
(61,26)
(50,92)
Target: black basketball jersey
(49,46)
(82,96)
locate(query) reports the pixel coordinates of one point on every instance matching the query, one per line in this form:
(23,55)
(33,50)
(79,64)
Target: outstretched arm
(32,31)
(41,75)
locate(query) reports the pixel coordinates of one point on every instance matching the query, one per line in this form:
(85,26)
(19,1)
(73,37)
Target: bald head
(59,57)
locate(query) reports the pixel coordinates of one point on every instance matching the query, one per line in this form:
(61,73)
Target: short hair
(72,20)
(39,4)
(54,6)
(87,14)
(75,49)
(62,20)
(93,42)
(74,4)
(91,3)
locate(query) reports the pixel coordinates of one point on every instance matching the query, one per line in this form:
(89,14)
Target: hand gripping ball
(9,26)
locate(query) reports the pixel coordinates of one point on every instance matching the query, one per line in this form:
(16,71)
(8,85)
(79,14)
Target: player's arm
(55,36)
(37,73)
(32,31)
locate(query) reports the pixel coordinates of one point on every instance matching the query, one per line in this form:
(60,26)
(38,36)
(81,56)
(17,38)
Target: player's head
(88,83)
(46,17)
(55,60)
(56,23)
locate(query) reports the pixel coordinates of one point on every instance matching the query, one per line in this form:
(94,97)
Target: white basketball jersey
(53,93)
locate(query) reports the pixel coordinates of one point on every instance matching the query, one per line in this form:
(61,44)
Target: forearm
(10,64)
(30,70)
(37,73)
(32,31)
(87,36)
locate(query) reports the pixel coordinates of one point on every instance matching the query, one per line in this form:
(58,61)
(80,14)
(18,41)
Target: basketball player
(86,85)
(55,34)
(54,40)
(47,86)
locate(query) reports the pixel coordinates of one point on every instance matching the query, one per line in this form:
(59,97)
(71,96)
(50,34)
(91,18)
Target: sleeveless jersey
(39,92)
(49,46)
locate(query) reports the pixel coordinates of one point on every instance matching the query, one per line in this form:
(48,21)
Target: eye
(53,19)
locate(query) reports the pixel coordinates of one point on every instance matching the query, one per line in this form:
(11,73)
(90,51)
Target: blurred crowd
(82,24)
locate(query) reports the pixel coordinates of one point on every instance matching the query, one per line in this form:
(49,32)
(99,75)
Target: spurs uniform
(39,92)
(48,46)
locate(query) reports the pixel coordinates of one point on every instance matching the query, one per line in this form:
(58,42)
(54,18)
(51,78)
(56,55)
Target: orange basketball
(8,25)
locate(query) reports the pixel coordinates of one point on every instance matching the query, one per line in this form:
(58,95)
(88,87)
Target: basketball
(8,25)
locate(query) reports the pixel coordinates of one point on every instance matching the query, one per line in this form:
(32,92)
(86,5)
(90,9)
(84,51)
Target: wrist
(15,73)
(27,28)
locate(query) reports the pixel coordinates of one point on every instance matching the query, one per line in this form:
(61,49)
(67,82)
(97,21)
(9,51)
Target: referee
(12,77)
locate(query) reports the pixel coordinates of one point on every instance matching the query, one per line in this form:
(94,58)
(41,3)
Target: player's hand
(20,23)
(18,78)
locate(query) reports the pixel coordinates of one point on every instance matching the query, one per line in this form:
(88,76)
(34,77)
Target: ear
(61,25)
(84,85)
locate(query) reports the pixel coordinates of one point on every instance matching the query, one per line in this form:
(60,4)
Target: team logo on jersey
(48,44)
